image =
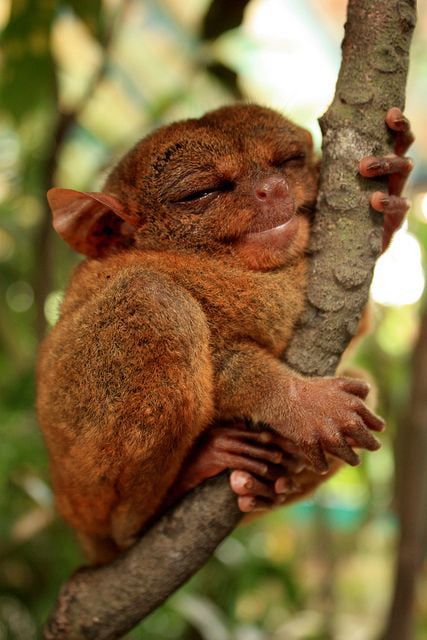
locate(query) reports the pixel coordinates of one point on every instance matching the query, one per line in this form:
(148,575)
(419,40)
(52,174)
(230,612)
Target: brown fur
(177,320)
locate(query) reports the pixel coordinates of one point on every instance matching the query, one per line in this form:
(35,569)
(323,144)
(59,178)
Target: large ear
(92,223)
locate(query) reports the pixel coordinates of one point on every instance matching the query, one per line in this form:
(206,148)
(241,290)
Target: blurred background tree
(82,81)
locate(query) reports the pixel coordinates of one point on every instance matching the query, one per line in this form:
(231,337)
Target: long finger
(396,167)
(359,388)
(316,456)
(294,461)
(248,464)
(375,166)
(341,449)
(389,205)
(397,122)
(361,437)
(247,449)
(372,421)
(238,431)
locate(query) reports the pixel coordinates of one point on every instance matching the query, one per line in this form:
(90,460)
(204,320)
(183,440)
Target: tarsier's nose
(272,189)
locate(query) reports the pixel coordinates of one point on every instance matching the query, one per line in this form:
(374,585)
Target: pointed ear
(91,223)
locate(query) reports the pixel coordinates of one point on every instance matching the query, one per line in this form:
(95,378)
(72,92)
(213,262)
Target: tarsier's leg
(392,205)
(134,401)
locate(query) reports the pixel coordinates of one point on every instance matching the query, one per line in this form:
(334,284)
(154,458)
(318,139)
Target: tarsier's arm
(317,415)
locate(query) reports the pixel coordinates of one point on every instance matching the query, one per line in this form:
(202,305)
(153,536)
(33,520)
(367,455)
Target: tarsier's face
(241,181)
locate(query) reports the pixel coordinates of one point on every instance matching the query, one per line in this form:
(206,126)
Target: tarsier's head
(239,181)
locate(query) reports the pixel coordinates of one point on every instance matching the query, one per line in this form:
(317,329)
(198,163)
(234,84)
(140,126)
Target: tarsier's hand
(397,167)
(329,415)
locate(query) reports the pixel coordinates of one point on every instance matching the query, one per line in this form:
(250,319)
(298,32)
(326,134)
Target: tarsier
(171,332)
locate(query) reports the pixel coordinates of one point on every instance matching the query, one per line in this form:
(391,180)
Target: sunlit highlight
(284,45)
(399,277)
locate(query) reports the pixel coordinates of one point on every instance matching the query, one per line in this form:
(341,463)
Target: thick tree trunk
(104,603)
(347,232)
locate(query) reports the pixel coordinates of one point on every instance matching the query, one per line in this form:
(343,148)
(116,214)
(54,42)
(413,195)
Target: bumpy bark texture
(346,238)
(105,603)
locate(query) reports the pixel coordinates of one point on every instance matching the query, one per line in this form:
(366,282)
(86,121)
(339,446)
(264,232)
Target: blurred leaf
(27,77)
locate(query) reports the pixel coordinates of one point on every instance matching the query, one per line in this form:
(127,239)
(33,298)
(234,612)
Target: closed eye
(296,159)
(204,193)
(197,195)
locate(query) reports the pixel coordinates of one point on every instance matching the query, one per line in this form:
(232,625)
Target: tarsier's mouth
(277,216)
(279,236)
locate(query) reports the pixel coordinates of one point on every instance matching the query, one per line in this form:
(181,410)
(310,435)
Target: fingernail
(375,165)
(385,200)
(401,122)
(248,484)
(282,487)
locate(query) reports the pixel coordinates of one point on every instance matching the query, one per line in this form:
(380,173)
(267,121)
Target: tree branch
(104,603)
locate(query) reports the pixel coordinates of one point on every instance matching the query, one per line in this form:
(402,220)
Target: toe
(374,166)
(245,484)
(389,204)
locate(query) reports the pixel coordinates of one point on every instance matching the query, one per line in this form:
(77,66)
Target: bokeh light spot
(52,306)
(399,277)
(19,296)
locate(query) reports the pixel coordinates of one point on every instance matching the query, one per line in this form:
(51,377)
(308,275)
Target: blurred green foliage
(80,82)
